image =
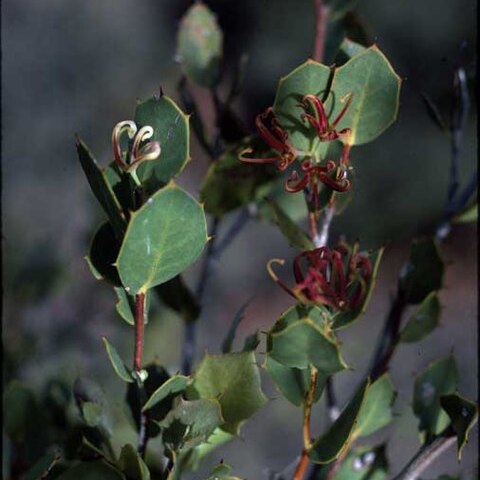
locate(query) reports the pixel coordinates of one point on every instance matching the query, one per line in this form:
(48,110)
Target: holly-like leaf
(374,87)
(173,386)
(424,271)
(170,128)
(302,337)
(132,465)
(103,254)
(97,470)
(117,363)
(463,414)
(294,383)
(376,411)
(440,378)
(292,232)
(230,184)
(309,78)
(101,188)
(329,446)
(234,380)
(163,238)
(343,319)
(423,321)
(364,463)
(199,45)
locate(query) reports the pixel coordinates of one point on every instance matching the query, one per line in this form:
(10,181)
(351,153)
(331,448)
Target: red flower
(336,278)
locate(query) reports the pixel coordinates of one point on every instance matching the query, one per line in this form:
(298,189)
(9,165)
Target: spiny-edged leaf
(251,342)
(337,439)
(101,188)
(293,233)
(344,319)
(423,321)
(97,470)
(132,465)
(103,253)
(230,184)
(339,8)
(363,463)
(424,271)
(170,128)
(309,78)
(44,467)
(463,414)
(348,49)
(293,383)
(176,294)
(117,363)
(163,238)
(190,423)
(191,460)
(468,214)
(137,396)
(221,472)
(375,88)
(376,411)
(440,378)
(18,403)
(199,45)
(237,319)
(302,337)
(173,386)
(234,380)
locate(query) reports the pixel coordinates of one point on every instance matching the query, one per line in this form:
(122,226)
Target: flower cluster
(335,277)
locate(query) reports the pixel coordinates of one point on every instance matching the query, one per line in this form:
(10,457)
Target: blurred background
(79,66)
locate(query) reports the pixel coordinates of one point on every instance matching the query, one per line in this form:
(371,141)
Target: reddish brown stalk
(321,20)
(139,331)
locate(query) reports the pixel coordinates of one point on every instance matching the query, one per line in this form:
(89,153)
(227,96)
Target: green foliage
(423,321)
(468,214)
(132,464)
(221,472)
(440,378)
(424,271)
(163,238)
(117,363)
(96,470)
(234,380)
(338,437)
(463,415)
(301,337)
(125,306)
(200,45)
(173,386)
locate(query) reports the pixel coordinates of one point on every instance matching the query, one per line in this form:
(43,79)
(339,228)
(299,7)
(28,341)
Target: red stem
(139,331)
(321,20)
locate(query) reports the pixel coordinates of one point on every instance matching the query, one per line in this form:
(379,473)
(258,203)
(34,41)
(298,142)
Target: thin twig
(322,12)
(139,331)
(425,456)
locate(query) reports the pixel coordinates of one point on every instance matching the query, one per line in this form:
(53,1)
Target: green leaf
(173,386)
(439,379)
(117,363)
(364,463)
(348,50)
(125,305)
(163,238)
(176,294)
(190,423)
(424,271)
(234,380)
(338,437)
(309,78)
(103,253)
(18,402)
(376,411)
(463,414)
(221,472)
(468,214)
(375,87)
(199,45)
(170,128)
(423,321)
(97,470)
(343,319)
(132,464)
(230,184)
(292,232)
(303,337)
(230,337)
(101,188)
(293,383)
